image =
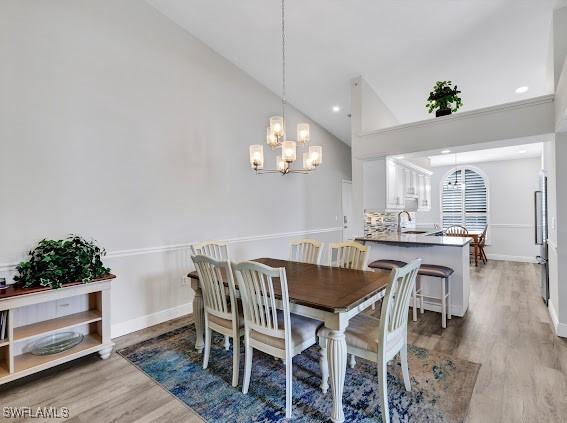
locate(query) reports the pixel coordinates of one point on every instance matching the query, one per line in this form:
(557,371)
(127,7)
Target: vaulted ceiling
(401,47)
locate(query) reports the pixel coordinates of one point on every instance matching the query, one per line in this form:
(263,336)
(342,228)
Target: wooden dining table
(329,294)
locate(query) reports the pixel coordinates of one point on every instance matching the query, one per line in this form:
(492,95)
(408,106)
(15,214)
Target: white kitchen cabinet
(407,180)
(395,181)
(427,203)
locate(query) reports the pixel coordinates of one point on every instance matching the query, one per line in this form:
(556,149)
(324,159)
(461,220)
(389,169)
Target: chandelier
(276,136)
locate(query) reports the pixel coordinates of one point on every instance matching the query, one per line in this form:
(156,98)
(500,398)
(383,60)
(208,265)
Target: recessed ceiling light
(522,90)
(523,151)
(336,109)
(399,157)
(445,151)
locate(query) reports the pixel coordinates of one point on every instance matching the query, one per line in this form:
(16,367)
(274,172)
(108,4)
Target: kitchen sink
(414,232)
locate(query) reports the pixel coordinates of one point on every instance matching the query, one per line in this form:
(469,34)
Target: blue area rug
(441,386)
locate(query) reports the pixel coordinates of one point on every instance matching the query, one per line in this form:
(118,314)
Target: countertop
(425,239)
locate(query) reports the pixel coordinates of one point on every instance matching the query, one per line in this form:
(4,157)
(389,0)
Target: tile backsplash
(377,222)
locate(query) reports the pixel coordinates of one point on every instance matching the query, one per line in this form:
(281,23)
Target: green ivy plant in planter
(444,99)
(55,263)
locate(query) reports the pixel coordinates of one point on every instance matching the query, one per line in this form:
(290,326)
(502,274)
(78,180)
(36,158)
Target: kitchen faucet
(400,219)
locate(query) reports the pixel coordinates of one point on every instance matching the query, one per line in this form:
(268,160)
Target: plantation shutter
(452,201)
(467,207)
(476,206)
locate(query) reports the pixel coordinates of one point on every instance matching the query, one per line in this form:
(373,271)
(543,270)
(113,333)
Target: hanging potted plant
(444,99)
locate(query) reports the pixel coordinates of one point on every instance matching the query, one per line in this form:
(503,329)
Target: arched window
(464,199)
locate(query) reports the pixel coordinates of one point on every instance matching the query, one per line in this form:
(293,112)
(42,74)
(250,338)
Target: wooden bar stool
(443,273)
(388,266)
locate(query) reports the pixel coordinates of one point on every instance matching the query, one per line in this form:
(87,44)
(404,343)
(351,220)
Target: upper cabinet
(407,182)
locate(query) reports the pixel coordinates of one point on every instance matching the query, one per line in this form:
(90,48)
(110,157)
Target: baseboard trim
(148,320)
(504,257)
(560,328)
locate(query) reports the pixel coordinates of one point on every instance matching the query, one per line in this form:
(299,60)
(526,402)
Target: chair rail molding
(8,267)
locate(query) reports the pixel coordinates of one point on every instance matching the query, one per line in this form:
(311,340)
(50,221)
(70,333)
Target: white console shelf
(95,322)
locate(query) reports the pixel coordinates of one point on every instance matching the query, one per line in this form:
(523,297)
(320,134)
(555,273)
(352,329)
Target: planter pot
(443,112)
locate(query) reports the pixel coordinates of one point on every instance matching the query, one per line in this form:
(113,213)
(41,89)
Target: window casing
(466,205)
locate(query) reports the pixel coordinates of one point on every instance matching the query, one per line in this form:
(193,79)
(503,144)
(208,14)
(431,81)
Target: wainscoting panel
(152,286)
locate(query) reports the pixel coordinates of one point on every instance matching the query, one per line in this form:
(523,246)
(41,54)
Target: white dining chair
(275,332)
(380,340)
(348,255)
(219,251)
(221,314)
(215,249)
(305,251)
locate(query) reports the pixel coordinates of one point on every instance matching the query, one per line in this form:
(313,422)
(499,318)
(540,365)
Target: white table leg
(199,316)
(337,356)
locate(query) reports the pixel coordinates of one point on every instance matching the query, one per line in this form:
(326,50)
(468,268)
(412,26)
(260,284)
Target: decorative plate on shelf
(56,343)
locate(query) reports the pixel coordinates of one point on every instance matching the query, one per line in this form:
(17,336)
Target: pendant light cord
(283,64)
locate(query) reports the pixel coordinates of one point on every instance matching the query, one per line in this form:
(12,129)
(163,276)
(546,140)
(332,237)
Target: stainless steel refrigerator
(540,213)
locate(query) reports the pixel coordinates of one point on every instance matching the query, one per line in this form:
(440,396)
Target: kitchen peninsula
(432,248)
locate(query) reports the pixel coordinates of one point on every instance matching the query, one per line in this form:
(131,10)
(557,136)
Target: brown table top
(326,288)
(15,291)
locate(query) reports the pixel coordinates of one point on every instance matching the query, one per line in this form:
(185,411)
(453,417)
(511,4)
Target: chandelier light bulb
(289,150)
(271,138)
(277,126)
(316,153)
(257,156)
(280,164)
(307,161)
(303,133)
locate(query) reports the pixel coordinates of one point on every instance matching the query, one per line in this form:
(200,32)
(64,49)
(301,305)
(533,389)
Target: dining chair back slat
(348,255)
(256,286)
(396,301)
(456,230)
(305,251)
(212,274)
(215,249)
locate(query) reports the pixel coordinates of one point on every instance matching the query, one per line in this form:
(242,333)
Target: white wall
(375,113)
(511,197)
(561,198)
(374,184)
(117,124)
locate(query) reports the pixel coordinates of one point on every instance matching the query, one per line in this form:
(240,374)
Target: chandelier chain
(283,62)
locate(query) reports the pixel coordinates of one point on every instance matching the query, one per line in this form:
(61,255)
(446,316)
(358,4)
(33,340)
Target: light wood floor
(523,377)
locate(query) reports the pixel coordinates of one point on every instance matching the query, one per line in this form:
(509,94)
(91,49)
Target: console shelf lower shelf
(55,325)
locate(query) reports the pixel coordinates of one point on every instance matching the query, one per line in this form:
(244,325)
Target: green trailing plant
(444,96)
(55,263)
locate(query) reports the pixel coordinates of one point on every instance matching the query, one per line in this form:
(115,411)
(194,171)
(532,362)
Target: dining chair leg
(352,362)
(235,358)
(418,283)
(227,342)
(414,304)
(476,255)
(448,298)
(443,306)
(383,390)
(324,364)
(405,370)
(247,366)
(208,334)
(288,386)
